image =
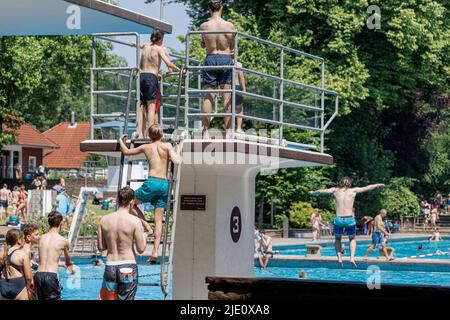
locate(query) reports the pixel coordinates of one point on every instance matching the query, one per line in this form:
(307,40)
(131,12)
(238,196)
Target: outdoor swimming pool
(403,248)
(359,275)
(86,285)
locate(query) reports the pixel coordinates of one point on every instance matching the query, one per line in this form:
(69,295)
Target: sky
(174,14)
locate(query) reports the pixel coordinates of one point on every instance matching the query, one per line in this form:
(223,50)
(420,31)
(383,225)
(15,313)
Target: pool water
(86,284)
(403,248)
(358,275)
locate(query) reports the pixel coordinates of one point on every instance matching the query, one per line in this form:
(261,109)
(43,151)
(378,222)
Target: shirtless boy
(150,64)
(51,246)
(345,216)
(119,233)
(5,198)
(156,189)
(220,51)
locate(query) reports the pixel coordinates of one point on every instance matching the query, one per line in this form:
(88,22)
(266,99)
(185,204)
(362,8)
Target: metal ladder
(78,217)
(173,176)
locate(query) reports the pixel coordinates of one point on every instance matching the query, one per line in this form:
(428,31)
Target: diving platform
(287,157)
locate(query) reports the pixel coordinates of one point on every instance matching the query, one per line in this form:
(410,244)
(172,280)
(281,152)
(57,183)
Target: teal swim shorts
(154,191)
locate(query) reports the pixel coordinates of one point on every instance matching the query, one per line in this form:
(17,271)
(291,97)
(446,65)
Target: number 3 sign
(235,224)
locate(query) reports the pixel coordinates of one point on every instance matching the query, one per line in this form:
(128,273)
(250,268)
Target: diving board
(72,17)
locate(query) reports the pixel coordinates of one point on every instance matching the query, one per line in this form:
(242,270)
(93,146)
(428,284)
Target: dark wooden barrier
(290,289)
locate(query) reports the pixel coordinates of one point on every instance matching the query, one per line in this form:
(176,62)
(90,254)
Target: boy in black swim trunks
(220,52)
(122,235)
(51,245)
(150,64)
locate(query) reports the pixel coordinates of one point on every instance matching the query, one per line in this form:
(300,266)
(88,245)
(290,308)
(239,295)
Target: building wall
(26,153)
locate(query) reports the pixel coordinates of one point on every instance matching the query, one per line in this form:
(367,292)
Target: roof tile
(68,156)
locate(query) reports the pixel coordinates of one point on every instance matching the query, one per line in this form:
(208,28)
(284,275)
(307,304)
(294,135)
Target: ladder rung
(149,284)
(136,180)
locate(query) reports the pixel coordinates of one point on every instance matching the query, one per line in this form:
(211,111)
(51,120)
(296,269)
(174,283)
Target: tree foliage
(393,84)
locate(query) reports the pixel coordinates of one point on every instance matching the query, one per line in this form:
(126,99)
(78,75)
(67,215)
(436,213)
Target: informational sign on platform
(193,203)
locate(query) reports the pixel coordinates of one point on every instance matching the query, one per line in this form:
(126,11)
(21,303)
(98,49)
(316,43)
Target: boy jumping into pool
(379,235)
(51,245)
(156,189)
(119,233)
(345,216)
(150,64)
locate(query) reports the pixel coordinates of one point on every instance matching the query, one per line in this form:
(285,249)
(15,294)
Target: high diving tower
(214,202)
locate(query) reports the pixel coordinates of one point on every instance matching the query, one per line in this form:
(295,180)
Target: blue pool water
(87,287)
(403,248)
(356,275)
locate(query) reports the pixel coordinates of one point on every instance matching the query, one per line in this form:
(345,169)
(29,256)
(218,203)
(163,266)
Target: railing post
(138,78)
(281,96)
(233,83)
(94,65)
(186,86)
(322,106)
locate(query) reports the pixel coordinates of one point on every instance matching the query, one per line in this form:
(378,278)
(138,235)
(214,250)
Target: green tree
(437,148)
(393,84)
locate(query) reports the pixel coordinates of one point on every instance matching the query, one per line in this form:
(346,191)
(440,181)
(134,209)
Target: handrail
(267,42)
(281,101)
(127,115)
(180,88)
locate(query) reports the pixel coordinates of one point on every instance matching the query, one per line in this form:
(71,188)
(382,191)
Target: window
(32,163)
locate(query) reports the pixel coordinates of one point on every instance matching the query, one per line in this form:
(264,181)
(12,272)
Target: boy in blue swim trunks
(220,52)
(379,235)
(156,189)
(345,216)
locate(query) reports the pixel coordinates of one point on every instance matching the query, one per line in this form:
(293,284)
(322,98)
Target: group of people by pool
(14,202)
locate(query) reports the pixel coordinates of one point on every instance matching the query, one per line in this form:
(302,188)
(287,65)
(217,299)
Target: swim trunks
(217,77)
(377,237)
(344,223)
(120,281)
(4,203)
(47,285)
(149,88)
(154,191)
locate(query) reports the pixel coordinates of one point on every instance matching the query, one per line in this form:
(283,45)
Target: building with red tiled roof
(68,137)
(26,154)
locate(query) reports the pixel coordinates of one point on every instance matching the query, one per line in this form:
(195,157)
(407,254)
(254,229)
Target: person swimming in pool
(436,236)
(156,189)
(345,217)
(220,50)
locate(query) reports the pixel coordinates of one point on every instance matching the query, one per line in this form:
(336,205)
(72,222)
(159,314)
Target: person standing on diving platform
(156,189)
(345,216)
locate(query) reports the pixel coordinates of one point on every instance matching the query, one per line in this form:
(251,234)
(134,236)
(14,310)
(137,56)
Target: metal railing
(281,100)
(119,95)
(287,110)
